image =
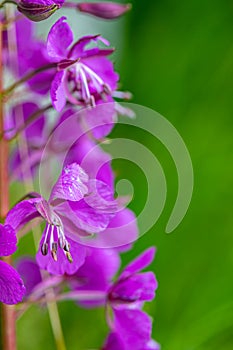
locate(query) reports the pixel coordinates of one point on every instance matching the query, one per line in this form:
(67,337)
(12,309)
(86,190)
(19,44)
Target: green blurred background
(177,58)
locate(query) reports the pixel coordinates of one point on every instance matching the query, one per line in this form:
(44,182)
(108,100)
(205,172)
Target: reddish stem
(8,312)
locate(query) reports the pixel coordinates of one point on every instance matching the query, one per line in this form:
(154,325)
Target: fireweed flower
(84,75)
(38,10)
(130,326)
(12,288)
(77,207)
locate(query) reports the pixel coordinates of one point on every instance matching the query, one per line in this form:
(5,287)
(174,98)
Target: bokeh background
(177,58)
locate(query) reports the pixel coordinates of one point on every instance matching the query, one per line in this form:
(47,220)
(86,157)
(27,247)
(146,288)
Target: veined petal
(12,289)
(59,39)
(57,91)
(22,213)
(92,213)
(71,185)
(8,240)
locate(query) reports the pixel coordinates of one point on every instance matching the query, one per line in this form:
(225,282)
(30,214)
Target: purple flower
(130,326)
(77,207)
(12,289)
(38,10)
(106,10)
(133,285)
(85,76)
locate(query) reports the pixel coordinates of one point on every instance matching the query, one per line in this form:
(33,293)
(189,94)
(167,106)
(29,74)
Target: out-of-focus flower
(130,326)
(38,10)
(85,76)
(12,288)
(77,207)
(105,10)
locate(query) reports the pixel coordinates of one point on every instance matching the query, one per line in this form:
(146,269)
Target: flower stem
(8,312)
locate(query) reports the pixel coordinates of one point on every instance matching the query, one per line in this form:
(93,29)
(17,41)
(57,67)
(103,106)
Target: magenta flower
(12,288)
(132,285)
(85,76)
(77,207)
(130,326)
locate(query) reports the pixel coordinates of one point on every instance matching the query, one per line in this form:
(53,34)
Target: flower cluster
(63,100)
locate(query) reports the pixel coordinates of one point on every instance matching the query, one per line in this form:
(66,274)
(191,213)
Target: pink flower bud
(106,10)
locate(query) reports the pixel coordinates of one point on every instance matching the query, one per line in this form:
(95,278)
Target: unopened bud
(38,10)
(106,10)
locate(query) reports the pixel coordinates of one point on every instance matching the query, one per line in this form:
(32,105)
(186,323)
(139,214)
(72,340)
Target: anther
(69,257)
(44,249)
(54,255)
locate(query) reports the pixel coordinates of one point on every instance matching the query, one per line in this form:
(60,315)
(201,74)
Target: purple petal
(114,342)
(152,345)
(99,268)
(92,213)
(22,213)
(78,49)
(121,231)
(12,289)
(71,185)
(104,69)
(30,273)
(101,119)
(134,327)
(62,265)
(96,273)
(57,91)
(8,240)
(139,287)
(140,263)
(59,39)
(20,114)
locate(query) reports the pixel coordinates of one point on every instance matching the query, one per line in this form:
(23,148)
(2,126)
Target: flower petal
(59,39)
(8,240)
(78,49)
(141,262)
(22,213)
(114,342)
(62,265)
(139,287)
(92,213)
(57,91)
(134,327)
(30,273)
(12,289)
(71,185)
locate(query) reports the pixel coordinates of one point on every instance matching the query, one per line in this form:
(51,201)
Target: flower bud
(106,10)
(38,10)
